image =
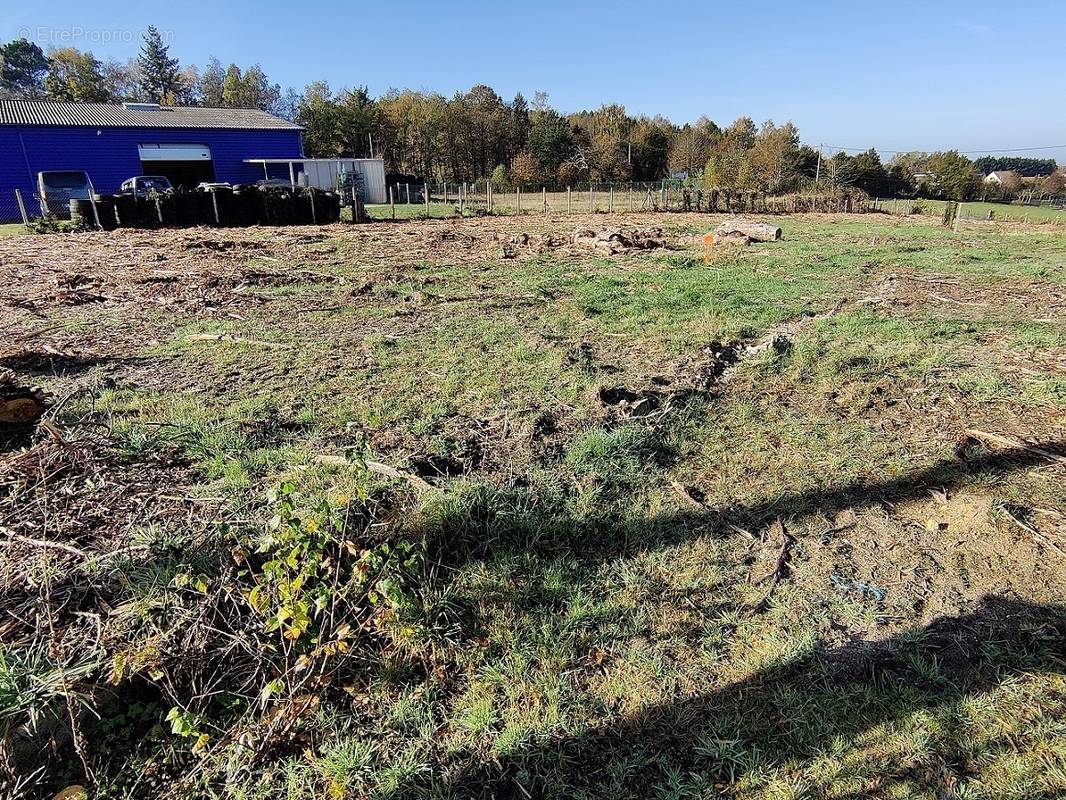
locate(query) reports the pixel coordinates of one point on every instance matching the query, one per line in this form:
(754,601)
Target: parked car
(57,188)
(141,185)
(207,186)
(274,183)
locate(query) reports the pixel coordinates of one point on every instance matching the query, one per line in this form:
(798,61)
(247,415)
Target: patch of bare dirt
(938,555)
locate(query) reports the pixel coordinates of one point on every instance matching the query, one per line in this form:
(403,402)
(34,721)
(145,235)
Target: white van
(57,188)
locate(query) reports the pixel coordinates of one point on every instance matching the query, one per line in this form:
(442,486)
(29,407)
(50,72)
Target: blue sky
(899,75)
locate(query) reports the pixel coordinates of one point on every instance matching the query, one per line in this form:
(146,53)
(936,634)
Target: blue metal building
(113,142)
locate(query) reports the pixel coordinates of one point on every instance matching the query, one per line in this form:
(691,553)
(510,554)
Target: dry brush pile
(126,600)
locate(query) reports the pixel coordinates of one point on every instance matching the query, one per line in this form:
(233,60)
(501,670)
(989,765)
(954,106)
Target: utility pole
(818,169)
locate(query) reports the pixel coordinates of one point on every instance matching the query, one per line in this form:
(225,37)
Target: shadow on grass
(790,714)
(42,363)
(521,518)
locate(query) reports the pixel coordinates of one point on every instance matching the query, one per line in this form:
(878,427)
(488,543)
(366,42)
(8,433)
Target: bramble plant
(316,577)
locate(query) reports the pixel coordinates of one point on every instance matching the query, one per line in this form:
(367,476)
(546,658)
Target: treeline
(479,135)
(66,73)
(1025,167)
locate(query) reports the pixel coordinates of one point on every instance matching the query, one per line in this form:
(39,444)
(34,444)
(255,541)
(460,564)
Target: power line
(1018,149)
(963,152)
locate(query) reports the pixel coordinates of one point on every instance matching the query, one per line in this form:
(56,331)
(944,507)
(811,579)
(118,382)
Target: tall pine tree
(160,75)
(22,69)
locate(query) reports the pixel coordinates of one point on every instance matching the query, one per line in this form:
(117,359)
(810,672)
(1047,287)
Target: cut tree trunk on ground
(19,405)
(744,232)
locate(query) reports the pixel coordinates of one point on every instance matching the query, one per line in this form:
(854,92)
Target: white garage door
(174,152)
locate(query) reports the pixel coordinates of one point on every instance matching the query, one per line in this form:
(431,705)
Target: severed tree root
(19,405)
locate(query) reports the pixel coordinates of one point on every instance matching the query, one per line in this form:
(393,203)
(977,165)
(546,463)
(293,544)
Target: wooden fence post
(518,199)
(425,190)
(446,193)
(592,201)
(392,202)
(610,203)
(568,206)
(544,196)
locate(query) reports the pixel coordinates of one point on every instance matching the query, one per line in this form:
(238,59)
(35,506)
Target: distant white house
(1001,176)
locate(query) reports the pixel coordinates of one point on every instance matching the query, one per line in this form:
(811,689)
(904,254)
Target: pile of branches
(63,501)
(115,589)
(848,200)
(834,201)
(611,241)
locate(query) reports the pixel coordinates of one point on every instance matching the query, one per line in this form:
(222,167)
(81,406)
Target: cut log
(752,231)
(19,405)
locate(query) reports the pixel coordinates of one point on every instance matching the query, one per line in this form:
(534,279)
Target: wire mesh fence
(450,199)
(473,198)
(976,211)
(16,207)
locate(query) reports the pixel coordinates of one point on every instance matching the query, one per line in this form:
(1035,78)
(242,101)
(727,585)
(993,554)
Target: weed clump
(626,457)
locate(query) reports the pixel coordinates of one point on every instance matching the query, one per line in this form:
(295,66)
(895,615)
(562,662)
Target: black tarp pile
(238,206)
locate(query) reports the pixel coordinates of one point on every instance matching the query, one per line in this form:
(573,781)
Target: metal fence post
(22,208)
(392,202)
(568,206)
(544,198)
(425,189)
(96,214)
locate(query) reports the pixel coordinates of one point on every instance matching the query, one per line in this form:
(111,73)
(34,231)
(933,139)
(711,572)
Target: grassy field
(411,210)
(467,509)
(1003,211)
(580,202)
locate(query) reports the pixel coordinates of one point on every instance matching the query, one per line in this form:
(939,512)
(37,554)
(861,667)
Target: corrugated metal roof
(109,115)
